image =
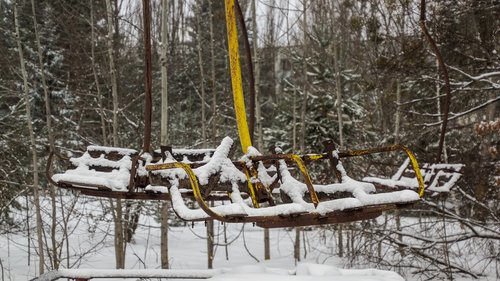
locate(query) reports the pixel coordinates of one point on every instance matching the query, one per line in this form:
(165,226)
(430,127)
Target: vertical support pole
(148,83)
(251,78)
(234,61)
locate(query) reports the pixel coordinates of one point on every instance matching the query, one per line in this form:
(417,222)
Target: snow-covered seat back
(100,167)
(438,178)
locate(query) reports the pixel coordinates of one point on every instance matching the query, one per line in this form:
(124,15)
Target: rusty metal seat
(248,175)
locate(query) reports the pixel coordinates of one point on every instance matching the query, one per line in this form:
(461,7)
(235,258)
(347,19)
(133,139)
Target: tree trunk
(438,109)
(303,112)
(202,79)
(164,137)
(258,112)
(36,195)
(210,244)
(304,78)
(112,71)
(96,79)
(48,117)
(117,212)
(397,123)
(212,74)
(164,236)
(338,90)
(296,245)
(119,244)
(340,240)
(397,126)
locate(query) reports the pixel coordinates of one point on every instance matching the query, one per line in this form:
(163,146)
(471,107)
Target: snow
(303,271)
(220,164)
(129,273)
(92,255)
(360,190)
(91,248)
(198,151)
(443,176)
(198,214)
(85,177)
(109,149)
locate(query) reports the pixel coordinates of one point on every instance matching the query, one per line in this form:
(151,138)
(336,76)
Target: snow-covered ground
(238,254)
(187,250)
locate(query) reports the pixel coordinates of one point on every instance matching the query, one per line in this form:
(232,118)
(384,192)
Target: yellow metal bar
(416,168)
(194,185)
(394,147)
(251,187)
(234,61)
(302,167)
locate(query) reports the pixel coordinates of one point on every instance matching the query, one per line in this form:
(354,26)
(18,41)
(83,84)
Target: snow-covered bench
(101,168)
(220,174)
(437,177)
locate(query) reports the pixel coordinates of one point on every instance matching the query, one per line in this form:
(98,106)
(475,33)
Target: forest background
(358,72)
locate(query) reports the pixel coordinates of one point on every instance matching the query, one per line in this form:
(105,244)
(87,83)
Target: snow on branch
(463,113)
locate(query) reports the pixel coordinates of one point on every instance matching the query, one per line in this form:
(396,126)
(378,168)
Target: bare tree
(36,194)
(120,244)
(54,255)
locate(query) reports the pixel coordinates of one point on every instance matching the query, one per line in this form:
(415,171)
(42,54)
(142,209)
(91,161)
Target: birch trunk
(96,79)
(118,212)
(258,112)
(48,116)
(303,112)
(304,77)
(438,108)
(397,124)
(338,90)
(202,79)
(212,74)
(36,195)
(112,71)
(210,223)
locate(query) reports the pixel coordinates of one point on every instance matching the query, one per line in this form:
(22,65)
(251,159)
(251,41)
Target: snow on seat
(219,166)
(437,177)
(193,155)
(363,193)
(223,169)
(100,167)
(220,171)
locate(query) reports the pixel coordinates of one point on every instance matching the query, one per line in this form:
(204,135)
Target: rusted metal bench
(438,178)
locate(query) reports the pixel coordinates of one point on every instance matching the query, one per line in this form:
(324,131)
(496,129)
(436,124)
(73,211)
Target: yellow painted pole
(234,62)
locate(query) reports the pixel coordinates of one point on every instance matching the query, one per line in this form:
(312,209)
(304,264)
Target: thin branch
(463,113)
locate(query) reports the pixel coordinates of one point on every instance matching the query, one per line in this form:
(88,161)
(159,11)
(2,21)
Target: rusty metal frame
(269,159)
(194,186)
(102,191)
(301,219)
(251,187)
